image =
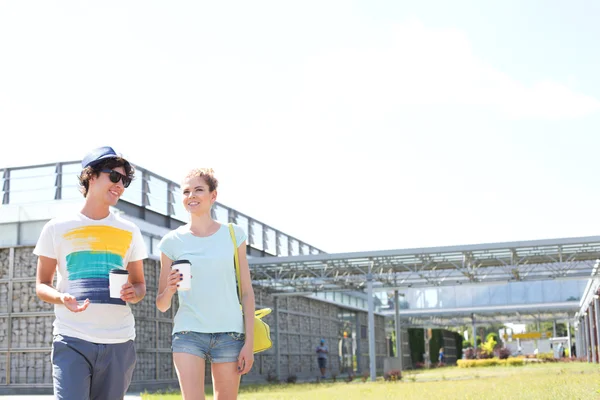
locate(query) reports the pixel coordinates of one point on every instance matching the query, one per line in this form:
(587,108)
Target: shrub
(470,354)
(393,376)
(272,377)
(483,354)
(490,362)
(494,336)
(503,353)
(292,379)
(489,346)
(546,356)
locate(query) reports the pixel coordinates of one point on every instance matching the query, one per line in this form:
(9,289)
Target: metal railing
(149,191)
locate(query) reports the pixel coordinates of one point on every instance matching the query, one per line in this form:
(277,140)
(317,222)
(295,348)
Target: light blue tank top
(211,305)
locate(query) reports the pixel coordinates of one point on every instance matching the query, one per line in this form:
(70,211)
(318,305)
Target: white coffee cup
(116,279)
(185,269)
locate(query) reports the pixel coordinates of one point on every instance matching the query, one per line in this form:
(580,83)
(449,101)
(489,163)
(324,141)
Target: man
(93,354)
(322,351)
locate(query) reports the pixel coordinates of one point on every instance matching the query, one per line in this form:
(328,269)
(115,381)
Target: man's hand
(71,303)
(128,293)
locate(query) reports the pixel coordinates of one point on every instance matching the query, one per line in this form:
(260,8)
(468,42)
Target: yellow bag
(262,331)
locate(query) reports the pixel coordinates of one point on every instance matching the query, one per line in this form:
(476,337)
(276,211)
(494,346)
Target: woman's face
(197,197)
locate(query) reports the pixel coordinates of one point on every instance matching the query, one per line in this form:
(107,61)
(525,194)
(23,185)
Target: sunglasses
(115,177)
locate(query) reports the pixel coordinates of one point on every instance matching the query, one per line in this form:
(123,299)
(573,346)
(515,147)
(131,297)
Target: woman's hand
(245,359)
(173,280)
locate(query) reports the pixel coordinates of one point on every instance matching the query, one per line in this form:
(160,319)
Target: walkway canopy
(429,267)
(387,270)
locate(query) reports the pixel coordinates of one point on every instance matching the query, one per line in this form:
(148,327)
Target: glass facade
(514,293)
(270,242)
(9,234)
(346,299)
(32,185)
(70,182)
(157,194)
(133,194)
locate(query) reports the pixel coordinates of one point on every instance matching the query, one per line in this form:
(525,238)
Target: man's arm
(43,286)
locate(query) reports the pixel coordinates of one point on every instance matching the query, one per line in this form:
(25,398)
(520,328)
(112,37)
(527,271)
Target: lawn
(542,381)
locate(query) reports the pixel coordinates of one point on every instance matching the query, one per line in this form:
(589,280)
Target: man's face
(103,190)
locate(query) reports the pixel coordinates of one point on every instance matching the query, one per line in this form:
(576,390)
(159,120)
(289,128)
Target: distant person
(560,350)
(322,351)
(441,356)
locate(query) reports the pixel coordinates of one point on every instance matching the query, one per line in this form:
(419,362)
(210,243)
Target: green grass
(530,382)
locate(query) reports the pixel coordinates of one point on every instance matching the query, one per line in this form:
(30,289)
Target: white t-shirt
(211,305)
(85,251)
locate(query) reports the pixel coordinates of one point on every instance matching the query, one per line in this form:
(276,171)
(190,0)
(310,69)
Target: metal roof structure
(492,263)
(516,314)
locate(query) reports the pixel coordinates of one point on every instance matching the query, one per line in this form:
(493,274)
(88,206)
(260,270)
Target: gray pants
(82,370)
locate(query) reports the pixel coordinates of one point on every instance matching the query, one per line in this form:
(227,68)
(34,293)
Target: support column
(427,347)
(591,319)
(371,307)
(358,347)
(569,339)
(553,329)
(398,329)
(586,338)
(578,344)
(277,347)
(474,331)
(537,344)
(581,352)
(596,319)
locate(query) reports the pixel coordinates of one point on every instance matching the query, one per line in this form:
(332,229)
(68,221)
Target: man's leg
(113,371)
(322,366)
(72,367)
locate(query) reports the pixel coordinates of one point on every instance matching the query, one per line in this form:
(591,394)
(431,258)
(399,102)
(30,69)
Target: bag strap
(236,261)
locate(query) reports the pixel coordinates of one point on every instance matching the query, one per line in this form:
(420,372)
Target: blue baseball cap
(95,156)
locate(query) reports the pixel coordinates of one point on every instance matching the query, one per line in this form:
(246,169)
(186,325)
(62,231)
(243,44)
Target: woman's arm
(167,283)
(246,358)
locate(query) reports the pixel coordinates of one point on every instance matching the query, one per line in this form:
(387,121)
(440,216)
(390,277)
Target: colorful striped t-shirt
(86,250)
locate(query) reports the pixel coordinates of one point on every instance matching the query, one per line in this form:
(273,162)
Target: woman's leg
(190,371)
(226,380)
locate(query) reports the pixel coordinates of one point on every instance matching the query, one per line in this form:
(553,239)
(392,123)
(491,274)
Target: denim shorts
(214,347)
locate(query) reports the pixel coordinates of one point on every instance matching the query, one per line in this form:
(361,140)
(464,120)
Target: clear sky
(352,125)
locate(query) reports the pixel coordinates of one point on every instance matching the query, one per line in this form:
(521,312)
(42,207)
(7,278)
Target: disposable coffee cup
(116,279)
(185,268)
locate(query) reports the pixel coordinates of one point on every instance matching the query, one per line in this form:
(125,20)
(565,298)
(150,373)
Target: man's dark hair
(111,163)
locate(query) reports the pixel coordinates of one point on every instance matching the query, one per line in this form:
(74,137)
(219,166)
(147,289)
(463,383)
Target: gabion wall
(26,332)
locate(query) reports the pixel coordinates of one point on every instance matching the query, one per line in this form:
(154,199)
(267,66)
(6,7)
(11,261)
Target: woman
(209,324)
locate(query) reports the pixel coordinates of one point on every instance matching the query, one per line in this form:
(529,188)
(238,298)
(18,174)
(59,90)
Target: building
(33,195)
